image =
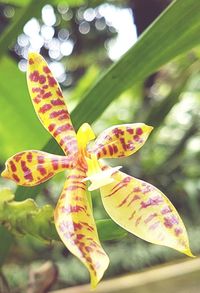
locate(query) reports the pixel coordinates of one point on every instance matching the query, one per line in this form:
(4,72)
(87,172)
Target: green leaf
(6,195)
(5,236)
(71,3)
(19,126)
(84,82)
(109,230)
(6,242)
(169,36)
(25,217)
(15,2)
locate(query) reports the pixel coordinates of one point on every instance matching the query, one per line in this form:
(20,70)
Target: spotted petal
(75,225)
(121,140)
(49,104)
(145,211)
(30,168)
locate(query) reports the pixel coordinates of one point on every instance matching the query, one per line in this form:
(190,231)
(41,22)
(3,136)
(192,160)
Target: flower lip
(101,178)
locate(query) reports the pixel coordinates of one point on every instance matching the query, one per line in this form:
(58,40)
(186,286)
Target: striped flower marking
(32,167)
(121,141)
(144,211)
(135,205)
(75,223)
(49,105)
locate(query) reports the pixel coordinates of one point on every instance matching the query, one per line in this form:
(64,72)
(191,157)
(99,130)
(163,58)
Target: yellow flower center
(95,174)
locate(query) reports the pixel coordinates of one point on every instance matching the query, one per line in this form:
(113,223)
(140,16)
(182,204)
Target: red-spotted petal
(30,168)
(121,140)
(75,225)
(49,104)
(145,211)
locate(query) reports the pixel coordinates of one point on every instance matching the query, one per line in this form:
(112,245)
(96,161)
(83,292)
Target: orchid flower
(135,205)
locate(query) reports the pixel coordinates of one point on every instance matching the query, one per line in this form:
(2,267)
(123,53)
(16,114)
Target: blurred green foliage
(171,103)
(25,217)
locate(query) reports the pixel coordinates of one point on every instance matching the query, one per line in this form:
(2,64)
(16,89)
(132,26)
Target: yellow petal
(32,167)
(121,140)
(49,104)
(76,226)
(84,135)
(145,211)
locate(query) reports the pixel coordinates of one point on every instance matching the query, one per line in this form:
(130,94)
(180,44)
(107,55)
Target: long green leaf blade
(23,131)
(176,31)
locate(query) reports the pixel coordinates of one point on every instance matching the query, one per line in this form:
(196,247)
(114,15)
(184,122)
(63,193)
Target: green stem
(89,197)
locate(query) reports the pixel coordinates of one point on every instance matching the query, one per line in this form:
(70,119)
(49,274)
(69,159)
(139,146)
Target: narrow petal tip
(93,284)
(149,128)
(34,58)
(5,173)
(30,54)
(188,252)
(95,279)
